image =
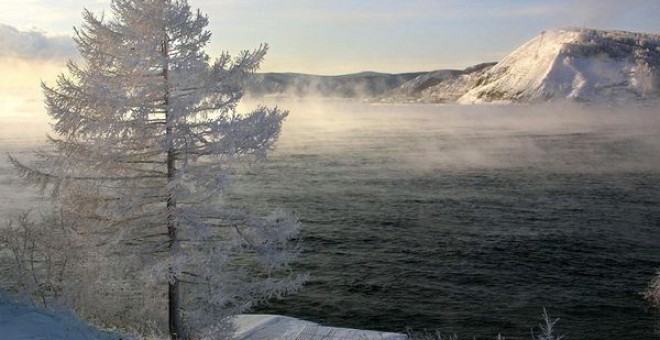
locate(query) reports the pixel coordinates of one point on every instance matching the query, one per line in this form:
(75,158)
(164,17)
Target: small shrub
(35,257)
(547,331)
(653,292)
(547,328)
(428,335)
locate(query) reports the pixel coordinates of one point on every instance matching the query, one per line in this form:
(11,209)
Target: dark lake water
(469,219)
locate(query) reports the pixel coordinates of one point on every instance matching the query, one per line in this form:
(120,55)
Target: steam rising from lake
(437,137)
(424,137)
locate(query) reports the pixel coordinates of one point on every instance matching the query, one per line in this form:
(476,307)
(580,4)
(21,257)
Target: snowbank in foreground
(275,327)
(22,322)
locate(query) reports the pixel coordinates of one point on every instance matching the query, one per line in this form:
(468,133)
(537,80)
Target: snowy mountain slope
(440,86)
(575,64)
(564,64)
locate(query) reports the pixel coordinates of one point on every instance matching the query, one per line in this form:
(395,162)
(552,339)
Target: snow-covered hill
(565,64)
(576,64)
(439,86)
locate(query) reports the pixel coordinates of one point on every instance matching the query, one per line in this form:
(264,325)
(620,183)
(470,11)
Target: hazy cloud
(35,45)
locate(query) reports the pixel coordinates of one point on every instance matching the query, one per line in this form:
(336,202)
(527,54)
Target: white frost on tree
(547,328)
(146,131)
(653,292)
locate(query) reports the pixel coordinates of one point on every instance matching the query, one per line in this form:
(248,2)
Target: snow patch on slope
(440,86)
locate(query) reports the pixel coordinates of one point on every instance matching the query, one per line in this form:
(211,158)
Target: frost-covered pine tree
(146,130)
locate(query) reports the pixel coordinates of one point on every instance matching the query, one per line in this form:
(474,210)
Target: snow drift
(23,322)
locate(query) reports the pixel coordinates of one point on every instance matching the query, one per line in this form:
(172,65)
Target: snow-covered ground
(275,327)
(24,322)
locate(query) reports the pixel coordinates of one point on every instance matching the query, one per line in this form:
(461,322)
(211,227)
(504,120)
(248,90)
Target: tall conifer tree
(146,128)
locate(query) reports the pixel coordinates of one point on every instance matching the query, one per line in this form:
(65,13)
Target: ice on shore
(276,327)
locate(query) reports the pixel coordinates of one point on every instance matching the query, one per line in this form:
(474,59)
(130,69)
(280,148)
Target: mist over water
(469,219)
(20,136)
(425,137)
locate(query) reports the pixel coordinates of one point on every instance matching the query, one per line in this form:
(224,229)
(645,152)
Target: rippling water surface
(469,219)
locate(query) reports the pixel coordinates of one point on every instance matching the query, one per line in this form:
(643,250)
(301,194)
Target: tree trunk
(174,320)
(174,317)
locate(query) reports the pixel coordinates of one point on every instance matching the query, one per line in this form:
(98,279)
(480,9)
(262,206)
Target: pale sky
(345,36)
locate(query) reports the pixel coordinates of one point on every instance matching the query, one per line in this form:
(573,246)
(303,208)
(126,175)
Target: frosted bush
(653,292)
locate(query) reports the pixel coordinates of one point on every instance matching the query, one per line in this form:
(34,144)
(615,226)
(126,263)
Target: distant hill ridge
(358,85)
(565,64)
